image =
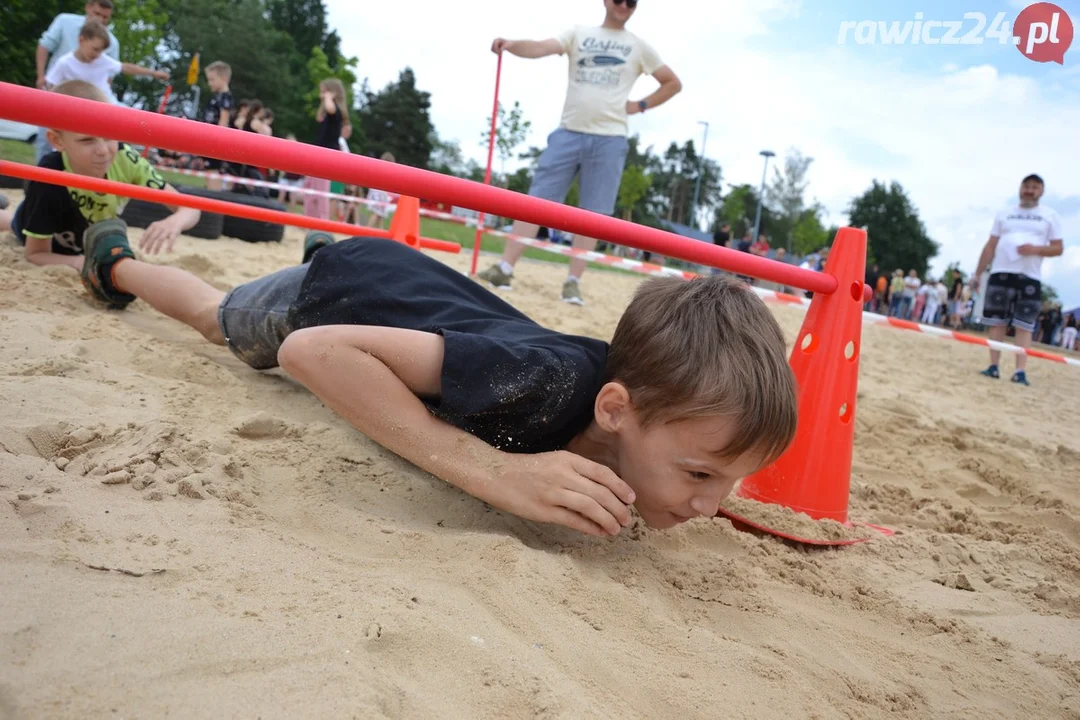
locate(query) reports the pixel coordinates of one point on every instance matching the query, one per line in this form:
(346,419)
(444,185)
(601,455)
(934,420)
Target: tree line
(280,50)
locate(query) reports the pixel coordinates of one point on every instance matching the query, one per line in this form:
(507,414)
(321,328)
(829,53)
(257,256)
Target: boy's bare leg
(173,292)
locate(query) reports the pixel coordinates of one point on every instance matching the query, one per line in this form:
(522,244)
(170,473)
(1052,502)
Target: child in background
(219,111)
(53,221)
(292,180)
(89,63)
(378,213)
(334,124)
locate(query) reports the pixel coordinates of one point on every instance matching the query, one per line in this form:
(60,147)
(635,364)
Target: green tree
(139,28)
(808,234)
(22,23)
(446,157)
(397,119)
(633,187)
(785,197)
(511,129)
(1050,294)
(895,233)
(739,208)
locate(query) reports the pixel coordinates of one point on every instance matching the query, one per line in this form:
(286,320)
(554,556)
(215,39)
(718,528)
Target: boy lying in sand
(693,393)
(52,220)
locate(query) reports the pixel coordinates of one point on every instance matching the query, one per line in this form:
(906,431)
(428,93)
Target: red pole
(487,175)
(66,179)
(161,110)
(37,107)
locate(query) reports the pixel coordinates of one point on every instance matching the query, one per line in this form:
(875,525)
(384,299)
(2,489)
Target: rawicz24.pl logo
(1041,32)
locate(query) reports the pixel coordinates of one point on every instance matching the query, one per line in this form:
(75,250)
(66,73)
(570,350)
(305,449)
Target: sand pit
(183,537)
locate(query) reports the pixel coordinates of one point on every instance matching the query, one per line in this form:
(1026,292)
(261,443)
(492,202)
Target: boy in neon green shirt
(52,220)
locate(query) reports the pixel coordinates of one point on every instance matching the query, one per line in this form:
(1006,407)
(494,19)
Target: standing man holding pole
(591,140)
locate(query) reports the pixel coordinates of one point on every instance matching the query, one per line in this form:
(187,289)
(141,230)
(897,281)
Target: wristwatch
(642,105)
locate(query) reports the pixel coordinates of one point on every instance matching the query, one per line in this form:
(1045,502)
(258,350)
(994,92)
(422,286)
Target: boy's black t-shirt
(507,380)
(220,101)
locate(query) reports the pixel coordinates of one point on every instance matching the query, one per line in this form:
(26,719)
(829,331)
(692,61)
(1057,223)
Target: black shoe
(992,372)
(105,243)
(316,240)
(1020,378)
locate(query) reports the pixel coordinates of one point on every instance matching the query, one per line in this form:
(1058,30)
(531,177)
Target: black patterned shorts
(1012,298)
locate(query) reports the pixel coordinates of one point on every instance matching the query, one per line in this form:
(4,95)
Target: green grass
(16,151)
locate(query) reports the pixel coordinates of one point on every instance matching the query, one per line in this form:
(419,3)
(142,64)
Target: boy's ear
(55,138)
(613,408)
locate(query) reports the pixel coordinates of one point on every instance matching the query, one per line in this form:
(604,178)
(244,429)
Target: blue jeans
(254,317)
(598,158)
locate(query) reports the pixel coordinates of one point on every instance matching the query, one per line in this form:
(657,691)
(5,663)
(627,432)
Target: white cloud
(959,140)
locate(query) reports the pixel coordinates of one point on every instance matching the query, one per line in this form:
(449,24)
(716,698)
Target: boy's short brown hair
(107,4)
(94,30)
(707,347)
(80,89)
(220,68)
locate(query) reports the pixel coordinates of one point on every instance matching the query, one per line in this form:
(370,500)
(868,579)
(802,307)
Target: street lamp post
(701,170)
(761,194)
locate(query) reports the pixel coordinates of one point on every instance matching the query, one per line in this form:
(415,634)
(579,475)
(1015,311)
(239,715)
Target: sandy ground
(279,564)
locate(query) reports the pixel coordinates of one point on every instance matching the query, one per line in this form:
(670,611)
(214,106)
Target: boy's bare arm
(372,376)
(39,252)
(133,69)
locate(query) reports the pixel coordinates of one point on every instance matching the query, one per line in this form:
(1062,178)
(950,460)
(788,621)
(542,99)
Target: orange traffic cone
(814,475)
(405,227)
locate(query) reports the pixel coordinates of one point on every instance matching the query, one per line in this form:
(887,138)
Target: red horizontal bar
(58,177)
(38,107)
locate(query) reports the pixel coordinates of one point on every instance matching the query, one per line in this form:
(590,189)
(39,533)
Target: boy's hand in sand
(160,235)
(566,489)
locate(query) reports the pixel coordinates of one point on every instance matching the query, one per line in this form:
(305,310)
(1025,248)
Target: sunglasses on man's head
(629,3)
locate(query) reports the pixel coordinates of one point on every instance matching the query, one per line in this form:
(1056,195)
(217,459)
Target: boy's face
(674,468)
(91,48)
(215,81)
(87,155)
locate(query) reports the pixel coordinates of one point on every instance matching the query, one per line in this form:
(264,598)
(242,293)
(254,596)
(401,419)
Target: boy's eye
(699,475)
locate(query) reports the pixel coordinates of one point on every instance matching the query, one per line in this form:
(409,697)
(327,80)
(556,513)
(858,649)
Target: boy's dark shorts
(15,227)
(254,317)
(1012,298)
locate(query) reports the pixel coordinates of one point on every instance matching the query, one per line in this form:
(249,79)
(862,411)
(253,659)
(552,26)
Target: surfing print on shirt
(603,67)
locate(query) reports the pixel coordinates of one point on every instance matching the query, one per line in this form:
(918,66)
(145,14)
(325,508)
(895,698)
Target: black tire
(140,214)
(9,183)
(210,225)
(250,230)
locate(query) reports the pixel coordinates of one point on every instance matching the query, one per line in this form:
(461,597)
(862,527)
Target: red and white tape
(932,330)
(275,186)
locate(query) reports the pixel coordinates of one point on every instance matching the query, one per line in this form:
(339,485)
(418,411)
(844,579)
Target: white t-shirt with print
(604,65)
(1023,226)
(98,73)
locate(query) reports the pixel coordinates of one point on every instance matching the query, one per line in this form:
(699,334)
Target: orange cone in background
(405,226)
(814,475)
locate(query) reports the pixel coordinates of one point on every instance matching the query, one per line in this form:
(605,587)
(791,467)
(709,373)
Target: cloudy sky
(957,125)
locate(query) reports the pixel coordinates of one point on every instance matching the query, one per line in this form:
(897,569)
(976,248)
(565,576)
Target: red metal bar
(487,174)
(66,179)
(38,107)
